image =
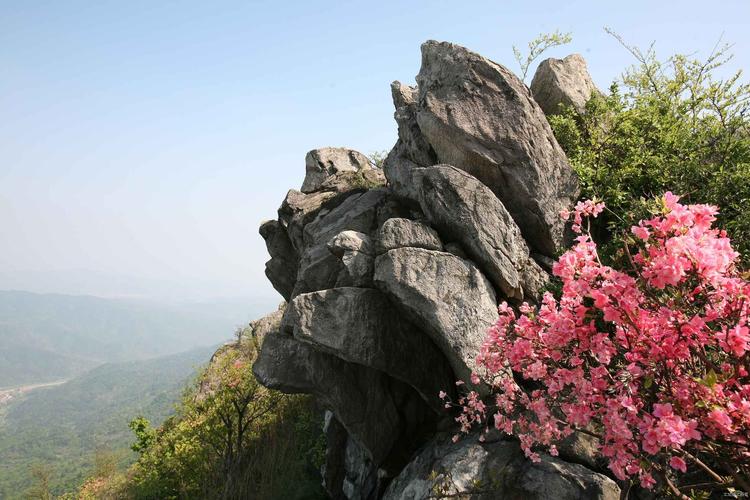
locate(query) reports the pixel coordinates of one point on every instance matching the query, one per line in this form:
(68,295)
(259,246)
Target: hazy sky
(142,143)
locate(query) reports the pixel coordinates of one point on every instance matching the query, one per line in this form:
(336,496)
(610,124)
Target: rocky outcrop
(562,82)
(392,286)
(489,471)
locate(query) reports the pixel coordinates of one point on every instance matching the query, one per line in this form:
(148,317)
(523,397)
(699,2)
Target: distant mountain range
(61,427)
(46,337)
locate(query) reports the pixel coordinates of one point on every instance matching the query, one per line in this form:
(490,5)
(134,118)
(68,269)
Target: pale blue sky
(141,143)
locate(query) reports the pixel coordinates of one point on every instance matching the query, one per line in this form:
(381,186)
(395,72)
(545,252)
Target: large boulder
(479,117)
(487,471)
(320,164)
(448,297)
(562,82)
(359,325)
(465,210)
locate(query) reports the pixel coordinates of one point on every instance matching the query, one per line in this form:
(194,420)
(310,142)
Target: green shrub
(669,125)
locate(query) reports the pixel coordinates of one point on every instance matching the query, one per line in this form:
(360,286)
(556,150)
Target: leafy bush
(666,126)
(653,359)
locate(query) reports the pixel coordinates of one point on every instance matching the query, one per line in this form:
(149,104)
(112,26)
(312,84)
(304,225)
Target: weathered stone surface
(298,209)
(362,480)
(320,164)
(479,117)
(320,269)
(456,249)
(355,250)
(448,298)
(412,147)
(398,233)
(359,325)
(334,467)
(358,213)
(341,182)
(488,471)
(281,270)
(357,270)
(350,241)
(464,209)
(581,449)
(562,82)
(357,395)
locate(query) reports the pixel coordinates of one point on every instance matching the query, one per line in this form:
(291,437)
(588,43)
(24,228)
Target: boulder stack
(392,278)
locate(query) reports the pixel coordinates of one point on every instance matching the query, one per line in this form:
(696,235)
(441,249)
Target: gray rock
(456,249)
(334,467)
(464,209)
(357,270)
(320,164)
(479,117)
(350,241)
(448,297)
(361,180)
(358,396)
(412,146)
(487,471)
(359,325)
(319,269)
(562,82)
(361,475)
(398,233)
(299,209)
(581,449)
(358,212)
(281,270)
(354,249)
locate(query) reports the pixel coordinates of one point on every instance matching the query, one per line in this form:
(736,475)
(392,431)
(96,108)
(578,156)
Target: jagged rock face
(392,288)
(562,82)
(480,117)
(444,294)
(488,471)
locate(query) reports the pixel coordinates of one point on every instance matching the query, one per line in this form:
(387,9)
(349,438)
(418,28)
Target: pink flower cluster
(653,359)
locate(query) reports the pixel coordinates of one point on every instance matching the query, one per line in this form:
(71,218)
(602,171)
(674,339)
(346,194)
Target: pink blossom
(599,355)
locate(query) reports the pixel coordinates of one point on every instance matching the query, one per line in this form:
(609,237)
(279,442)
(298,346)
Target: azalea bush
(652,359)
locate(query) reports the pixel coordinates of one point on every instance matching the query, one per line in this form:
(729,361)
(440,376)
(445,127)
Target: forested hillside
(59,430)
